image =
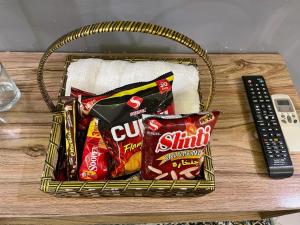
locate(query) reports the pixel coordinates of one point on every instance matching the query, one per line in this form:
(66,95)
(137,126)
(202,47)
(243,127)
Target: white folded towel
(99,76)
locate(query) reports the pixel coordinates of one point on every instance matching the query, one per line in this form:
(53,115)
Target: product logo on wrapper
(94,157)
(154,125)
(131,130)
(135,102)
(179,140)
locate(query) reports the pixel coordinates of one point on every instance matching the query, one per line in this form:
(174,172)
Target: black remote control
(269,132)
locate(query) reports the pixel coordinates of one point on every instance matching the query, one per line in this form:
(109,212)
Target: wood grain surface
(243,188)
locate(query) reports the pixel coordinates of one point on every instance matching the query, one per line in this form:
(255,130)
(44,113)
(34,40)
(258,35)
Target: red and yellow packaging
(95,158)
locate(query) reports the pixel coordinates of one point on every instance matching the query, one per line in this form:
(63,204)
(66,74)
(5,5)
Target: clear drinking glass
(9,92)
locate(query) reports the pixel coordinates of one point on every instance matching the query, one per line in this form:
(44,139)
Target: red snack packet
(95,158)
(83,120)
(120,118)
(173,146)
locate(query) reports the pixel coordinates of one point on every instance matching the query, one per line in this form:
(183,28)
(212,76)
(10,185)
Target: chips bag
(120,121)
(95,160)
(174,145)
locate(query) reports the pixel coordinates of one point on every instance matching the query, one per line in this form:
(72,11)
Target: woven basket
(121,187)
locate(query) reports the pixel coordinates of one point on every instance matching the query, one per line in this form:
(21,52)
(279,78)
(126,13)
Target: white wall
(218,25)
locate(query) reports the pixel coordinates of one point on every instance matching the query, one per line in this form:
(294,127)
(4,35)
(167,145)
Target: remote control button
(284,121)
(289,118)
(263,129)
(261,100)
(261,124)
(256,106)
(255,101)
(271,156)
(295,121)
(276,139)
(269,152)
(277,156)
(259,117)
(293,115)
(268,100)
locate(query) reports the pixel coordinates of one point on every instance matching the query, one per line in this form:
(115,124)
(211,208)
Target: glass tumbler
(9,92)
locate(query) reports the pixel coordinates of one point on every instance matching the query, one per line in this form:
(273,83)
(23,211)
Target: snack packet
(95,158)
(70,134)
(120,118)
(83,120)
(174,145)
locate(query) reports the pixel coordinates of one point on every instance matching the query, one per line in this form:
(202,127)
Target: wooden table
(243,189)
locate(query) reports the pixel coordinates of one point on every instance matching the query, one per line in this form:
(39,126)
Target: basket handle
(123,26)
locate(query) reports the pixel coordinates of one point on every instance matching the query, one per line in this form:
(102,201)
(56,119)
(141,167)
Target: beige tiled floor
(292,219)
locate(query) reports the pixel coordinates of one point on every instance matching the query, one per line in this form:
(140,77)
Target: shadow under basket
(130,187)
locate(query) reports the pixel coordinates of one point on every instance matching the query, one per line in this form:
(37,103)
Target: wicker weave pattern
(119,187)
(123,26)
